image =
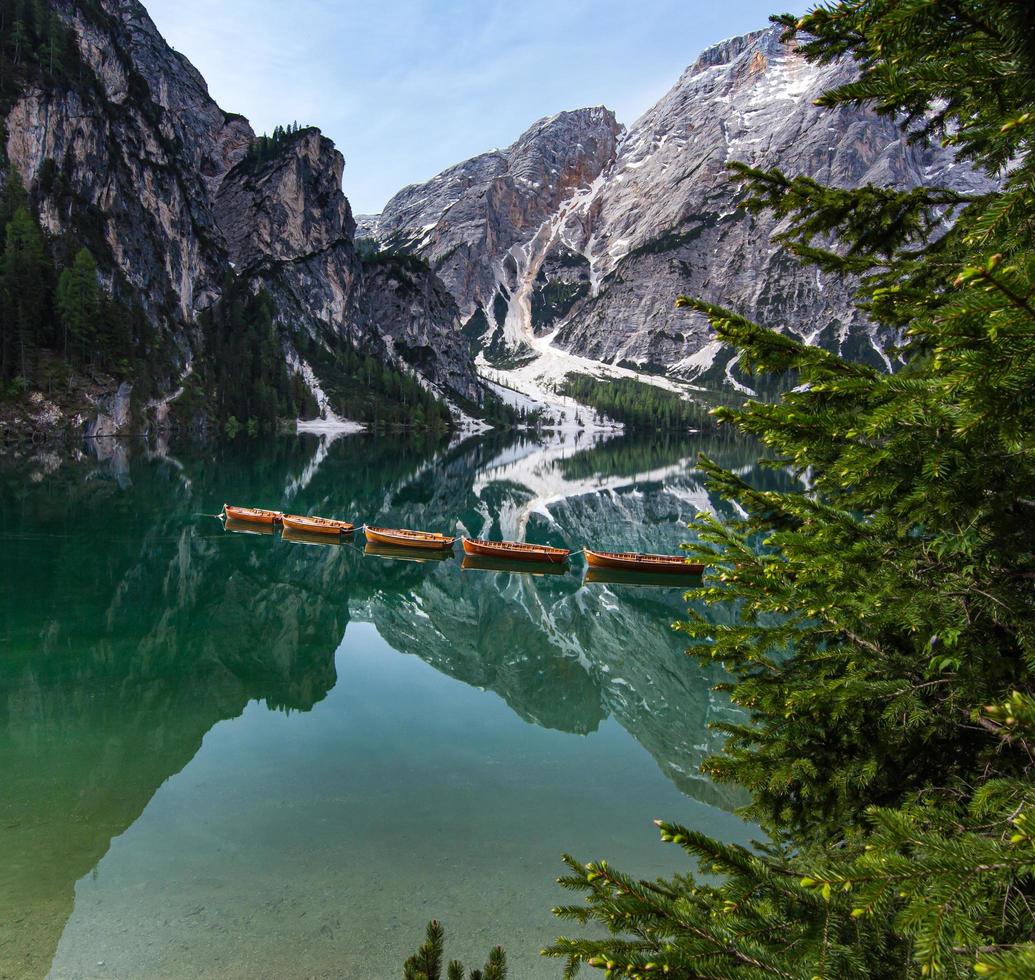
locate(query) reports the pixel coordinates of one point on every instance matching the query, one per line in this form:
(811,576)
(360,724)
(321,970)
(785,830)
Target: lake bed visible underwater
(234,755)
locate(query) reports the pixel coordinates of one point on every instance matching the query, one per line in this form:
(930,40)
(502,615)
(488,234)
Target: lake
(234,755)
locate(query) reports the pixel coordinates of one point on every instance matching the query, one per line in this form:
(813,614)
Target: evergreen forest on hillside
(637,404)
(52,303)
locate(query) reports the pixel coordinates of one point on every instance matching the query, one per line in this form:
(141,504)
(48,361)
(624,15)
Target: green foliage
(72,315)
(879,630)
(12,196)
(552,300)
(363,386)
(399,261)
(25,285)
(35,46)
(242,367)
(426,963)
(78,301)
(638,404)
(266,147)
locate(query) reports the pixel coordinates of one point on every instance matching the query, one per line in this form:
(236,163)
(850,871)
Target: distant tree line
(361,385)
(241,378)
(635,403)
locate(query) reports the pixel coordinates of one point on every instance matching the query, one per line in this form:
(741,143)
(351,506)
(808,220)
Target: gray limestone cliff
(466,220)
(597,266)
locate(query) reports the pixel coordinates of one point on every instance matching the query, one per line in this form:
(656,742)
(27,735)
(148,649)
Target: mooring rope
(351,538)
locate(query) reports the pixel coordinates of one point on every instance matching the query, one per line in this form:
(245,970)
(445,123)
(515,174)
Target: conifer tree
(426,963)
(79,303)
(25,285)
(12,197)
(879,630)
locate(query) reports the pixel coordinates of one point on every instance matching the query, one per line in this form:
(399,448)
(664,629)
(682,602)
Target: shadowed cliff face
(157,181)
(137,623)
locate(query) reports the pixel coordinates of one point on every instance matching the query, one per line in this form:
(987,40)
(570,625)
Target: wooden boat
(628,561)
(308,537)
(516,551)
(406,554)
(252,515)
(318,525)
(656,580)
(246,527)
(523,567)
(402,538)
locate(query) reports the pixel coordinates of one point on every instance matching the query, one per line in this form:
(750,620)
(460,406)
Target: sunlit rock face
(465,220)
(603,257)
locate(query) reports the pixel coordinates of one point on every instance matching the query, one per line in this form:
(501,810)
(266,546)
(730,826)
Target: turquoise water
(236,755)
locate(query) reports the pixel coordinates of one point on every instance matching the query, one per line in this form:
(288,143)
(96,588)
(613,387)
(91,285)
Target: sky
(406,88)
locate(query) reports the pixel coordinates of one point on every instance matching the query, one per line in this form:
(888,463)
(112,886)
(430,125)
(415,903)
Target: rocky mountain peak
(174,198)
(287,207)
(464,220)
(592,272)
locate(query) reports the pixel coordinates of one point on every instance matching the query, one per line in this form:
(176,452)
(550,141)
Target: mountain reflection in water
(130,624)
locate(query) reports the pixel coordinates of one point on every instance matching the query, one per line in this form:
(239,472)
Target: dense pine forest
(637,404)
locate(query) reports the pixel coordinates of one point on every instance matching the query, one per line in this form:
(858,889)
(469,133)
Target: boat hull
(515,551)
(252,515)
(332,529)
(652,564)
(393,538)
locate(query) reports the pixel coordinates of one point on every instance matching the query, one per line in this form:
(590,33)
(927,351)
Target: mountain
(596,278)
(466,220)
(238,285)
(122,150)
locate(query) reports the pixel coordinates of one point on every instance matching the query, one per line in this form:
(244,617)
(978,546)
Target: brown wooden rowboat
(318,525)
(403,538)
(253,515)
(629,561)
(515,551)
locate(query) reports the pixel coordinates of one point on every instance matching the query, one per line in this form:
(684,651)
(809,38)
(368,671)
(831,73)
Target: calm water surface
(229,755)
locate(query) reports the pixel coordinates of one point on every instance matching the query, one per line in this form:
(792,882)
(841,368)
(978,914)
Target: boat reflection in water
(479,564)
(660,580)
(419,555)
(247,527)
(311,537)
